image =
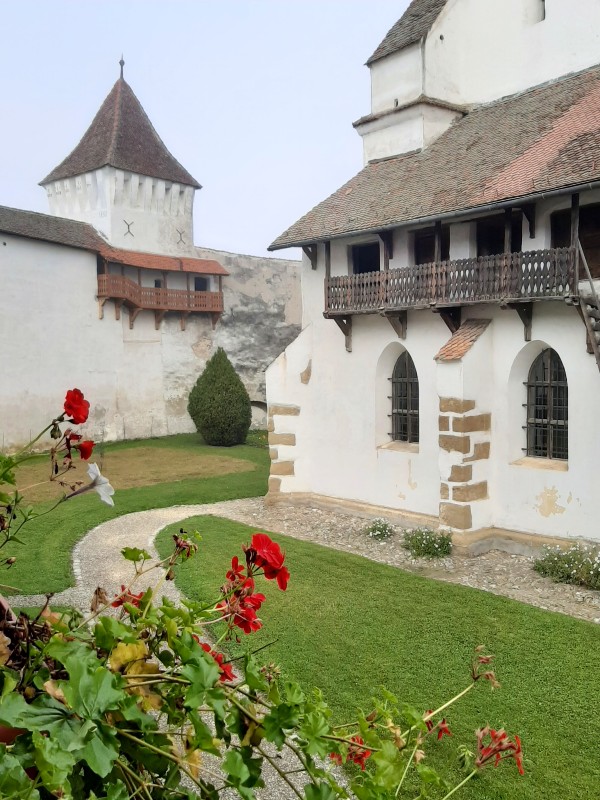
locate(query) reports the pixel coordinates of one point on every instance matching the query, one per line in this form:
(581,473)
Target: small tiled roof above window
(412,26)
(122,136)
(546,138)
(462,340)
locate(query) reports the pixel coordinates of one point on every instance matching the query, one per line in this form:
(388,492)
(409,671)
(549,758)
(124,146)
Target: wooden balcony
(139,298)
(513,278)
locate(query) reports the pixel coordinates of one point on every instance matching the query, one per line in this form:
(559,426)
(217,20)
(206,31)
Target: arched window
(547,407)
(405,400)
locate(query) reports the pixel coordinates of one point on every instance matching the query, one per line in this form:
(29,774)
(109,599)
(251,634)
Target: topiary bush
(219,403)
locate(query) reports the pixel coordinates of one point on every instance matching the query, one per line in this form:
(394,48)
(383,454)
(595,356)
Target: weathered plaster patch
(305,374)
(548,503)
(411,484)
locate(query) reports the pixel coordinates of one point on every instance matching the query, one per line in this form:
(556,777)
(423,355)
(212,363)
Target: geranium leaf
(313,728)
(109,631)
(135,554)
(322,791)
(253,676)
(101,751)
(54,763)
(390,766)
(281,718)
(14,781)
(202,675)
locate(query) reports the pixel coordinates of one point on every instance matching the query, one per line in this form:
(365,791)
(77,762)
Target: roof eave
(445,215)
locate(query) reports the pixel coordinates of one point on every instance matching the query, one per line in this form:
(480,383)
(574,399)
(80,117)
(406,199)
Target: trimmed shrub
(425,543)
(579,565)
(219,403)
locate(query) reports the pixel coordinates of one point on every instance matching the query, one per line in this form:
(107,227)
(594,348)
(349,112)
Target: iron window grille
(547,407)
(405,401)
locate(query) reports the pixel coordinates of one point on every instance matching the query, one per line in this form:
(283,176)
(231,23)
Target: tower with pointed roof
(122,179)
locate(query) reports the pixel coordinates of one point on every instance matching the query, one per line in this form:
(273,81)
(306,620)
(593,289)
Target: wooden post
(327,272)
(575,238)
(437,252)
(139,276)
(507,231)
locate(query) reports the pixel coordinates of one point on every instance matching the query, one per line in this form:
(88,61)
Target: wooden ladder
(589,307)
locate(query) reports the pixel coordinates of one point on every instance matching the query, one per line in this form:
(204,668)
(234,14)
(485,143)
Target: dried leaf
(124,654)
(194,759)
(55,691)
(150,700)
(99,599)
(5,649)
(52,617)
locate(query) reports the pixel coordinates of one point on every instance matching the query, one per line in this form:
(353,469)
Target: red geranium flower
(85,449)
(266,555)
(126,596)
(443,729)
(236,572)
(76,406)
(226,670)
(357,752)
(499,748)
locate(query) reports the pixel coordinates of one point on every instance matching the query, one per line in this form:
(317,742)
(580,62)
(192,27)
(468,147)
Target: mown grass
(349,625)
(44,559)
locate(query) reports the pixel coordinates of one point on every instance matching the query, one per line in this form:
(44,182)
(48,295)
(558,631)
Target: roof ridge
(116,120)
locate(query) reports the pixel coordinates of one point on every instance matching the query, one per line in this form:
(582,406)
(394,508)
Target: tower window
(405,400)
(547,407)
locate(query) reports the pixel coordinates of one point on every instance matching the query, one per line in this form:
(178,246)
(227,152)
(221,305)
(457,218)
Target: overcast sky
(256,98)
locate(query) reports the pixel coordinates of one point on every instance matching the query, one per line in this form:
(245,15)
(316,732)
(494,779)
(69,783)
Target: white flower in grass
(100,484)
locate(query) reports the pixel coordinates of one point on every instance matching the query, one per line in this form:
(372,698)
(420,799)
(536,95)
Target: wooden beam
(507,231)
(101,301)
(525,311)
(529,213)
(118,304)
(575,236)
(139,276)
(183,319)
(158,318)
(345,325)
(214,319)
(398,321)
(310,251)
(387,239)
(328,260)
(437,251)
(451,316)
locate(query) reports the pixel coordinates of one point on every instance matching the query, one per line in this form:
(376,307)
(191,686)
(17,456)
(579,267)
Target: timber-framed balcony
(515,280)
(136,298)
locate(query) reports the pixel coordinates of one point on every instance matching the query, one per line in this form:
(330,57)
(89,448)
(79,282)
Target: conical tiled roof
(122,136)
(412,26)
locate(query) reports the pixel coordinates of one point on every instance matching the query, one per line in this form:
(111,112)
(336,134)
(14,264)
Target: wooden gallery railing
(116,287)
(512,277)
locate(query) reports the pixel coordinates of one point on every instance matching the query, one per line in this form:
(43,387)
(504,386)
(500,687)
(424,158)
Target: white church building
(447,372)
(109,293)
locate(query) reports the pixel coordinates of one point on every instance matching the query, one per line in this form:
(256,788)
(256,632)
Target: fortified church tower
(122,179)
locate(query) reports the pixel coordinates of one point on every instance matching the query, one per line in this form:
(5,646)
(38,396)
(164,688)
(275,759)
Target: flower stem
(460,785)
(409,762)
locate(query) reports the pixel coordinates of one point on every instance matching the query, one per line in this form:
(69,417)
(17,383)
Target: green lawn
(44,559)
(348,625)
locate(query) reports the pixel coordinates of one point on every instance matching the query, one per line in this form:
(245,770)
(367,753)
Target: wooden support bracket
(451,316)
(214,319)
(101,301)
(183,319)
(311,252)
(158,318)
(133,312)
(345,325)
(398,321)
(525,311)
(118,304)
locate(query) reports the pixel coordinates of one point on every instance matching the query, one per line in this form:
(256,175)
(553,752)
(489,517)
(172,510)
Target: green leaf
(282,718)
(48,715)
(14,781)
(133,713)
(54,763)
(255,680)
(135,554)
(321,791)
(293,693)
(101,751)
(202,674)
(91,692)
(313,728)
(108,631)
(203,737)
(390,766)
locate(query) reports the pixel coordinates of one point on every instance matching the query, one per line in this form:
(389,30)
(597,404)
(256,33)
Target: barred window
(405,400)
(547,407)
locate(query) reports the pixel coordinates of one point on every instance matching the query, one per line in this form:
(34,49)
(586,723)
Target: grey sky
(254,97)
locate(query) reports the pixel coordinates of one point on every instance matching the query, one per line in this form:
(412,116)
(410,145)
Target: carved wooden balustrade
(506,278)
(138,298)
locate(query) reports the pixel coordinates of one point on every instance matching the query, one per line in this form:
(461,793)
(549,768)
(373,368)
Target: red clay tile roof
(122,136)
(412,26)
(462,340)
(545,138)
(71,233)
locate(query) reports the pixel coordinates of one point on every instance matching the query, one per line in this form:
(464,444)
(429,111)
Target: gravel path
(97,561)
